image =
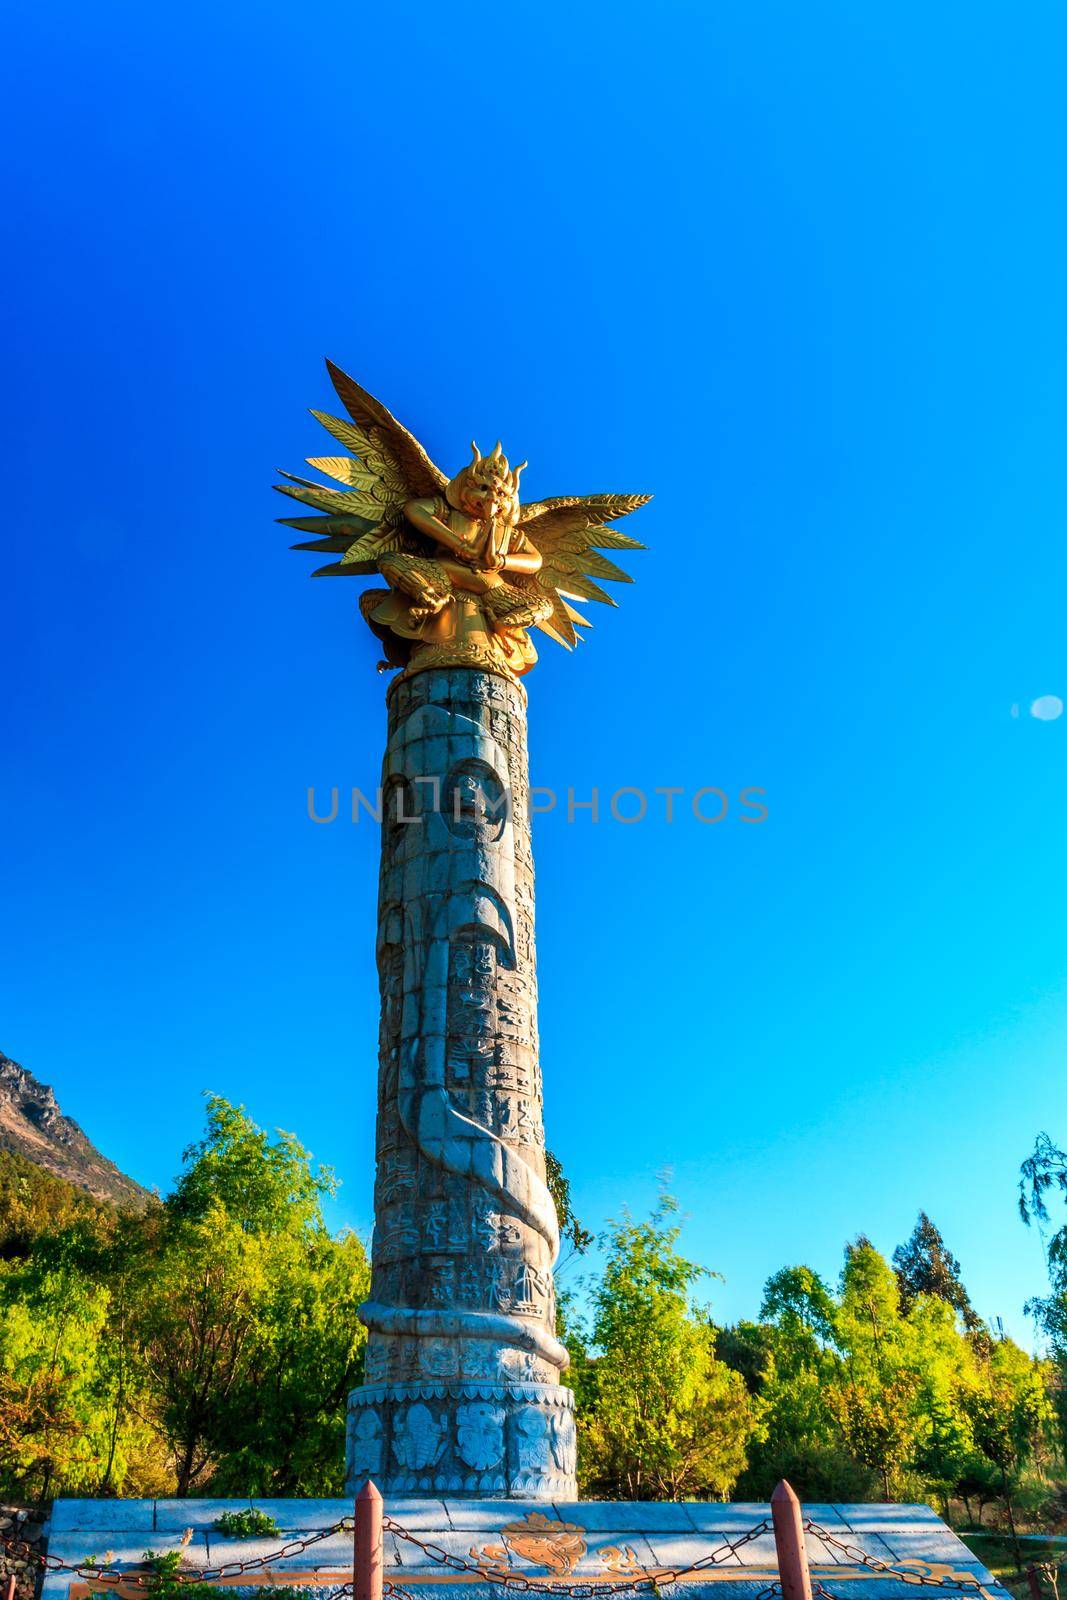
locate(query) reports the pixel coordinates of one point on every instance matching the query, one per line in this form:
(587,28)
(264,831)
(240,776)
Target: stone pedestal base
(598,1544)
(483,1440)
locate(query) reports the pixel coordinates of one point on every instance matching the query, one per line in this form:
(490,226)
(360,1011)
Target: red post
(789,1542)
(1034,1581)
(367,1566)
(9,1588)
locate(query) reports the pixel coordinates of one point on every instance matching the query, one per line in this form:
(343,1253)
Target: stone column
(461,1392)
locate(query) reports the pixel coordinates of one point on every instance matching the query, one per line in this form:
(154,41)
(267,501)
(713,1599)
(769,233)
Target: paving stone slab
(390,1550)
(873,1588)
(683,1549)
(822,1554)
(171,1515)
(423,1516)
(876,1516)
(126,1545)
(874,1544)
(300,1515)
(932,1544)
(327,1553)
(414,1559)
(616,1555)
(829,1516)
(724,1588)
(620,1516)
(722,1517)
(760,1552)
(480,1516)
(112,1514)
(127,1548)
(290,1515)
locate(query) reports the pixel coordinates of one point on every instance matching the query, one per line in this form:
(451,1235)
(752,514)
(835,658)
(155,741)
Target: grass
(995,1550)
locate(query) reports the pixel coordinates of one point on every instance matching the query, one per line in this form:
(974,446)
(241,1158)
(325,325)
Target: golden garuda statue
(470,570)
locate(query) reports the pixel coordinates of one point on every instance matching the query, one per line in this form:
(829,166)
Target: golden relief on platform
(557,1546)
(470,568)
(543,1541)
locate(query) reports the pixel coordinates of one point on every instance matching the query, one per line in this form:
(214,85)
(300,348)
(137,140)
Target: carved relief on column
(461,1381)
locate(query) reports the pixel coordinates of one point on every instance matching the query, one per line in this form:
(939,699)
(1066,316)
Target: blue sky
(796,270)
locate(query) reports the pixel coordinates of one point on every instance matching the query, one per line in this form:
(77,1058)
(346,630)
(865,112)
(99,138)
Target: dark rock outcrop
(33,1126)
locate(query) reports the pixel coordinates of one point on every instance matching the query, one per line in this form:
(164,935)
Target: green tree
(197,1311)
(284,1425)
(798,1303)
(1011,1416)
(863,1397)
(796,1381)
(944,1359)
(570,1228)
(245,1315)
(1043,1173)
(208,1341)
(925,1266)
(875,1403)
(34,1202)
(52,1321)
(664,1417)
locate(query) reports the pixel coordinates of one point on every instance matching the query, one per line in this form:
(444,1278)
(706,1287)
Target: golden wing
(385,467)
(567,532)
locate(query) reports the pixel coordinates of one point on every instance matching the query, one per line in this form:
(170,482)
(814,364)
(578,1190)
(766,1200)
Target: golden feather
(559,625)
(373,452)
(346,469)
(329,547)
(337,569)
(576,617)
(361,557)
(372,545)
(336,500)
(334,527)
(417,470)
(564,531)
(574,583)
(571,513)
(590,561)
(599,538)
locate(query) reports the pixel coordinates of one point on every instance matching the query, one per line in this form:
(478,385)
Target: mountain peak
(32,1125)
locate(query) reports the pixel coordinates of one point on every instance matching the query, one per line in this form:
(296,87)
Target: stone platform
(590,1541)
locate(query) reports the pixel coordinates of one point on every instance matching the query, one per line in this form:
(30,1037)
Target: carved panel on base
(486,1441)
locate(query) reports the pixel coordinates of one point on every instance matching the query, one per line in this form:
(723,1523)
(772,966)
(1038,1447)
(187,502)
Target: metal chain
(720,1554)
(505,1578)
(860,1558)
(92,1573)
(295,1547)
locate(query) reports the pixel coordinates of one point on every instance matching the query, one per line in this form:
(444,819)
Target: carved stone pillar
(461,1393)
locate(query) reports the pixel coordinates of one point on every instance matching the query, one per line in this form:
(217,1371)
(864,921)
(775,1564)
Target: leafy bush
(249,1524)
(163,1564)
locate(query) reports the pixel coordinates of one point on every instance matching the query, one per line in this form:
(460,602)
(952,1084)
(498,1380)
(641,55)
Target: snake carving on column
(461,836)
